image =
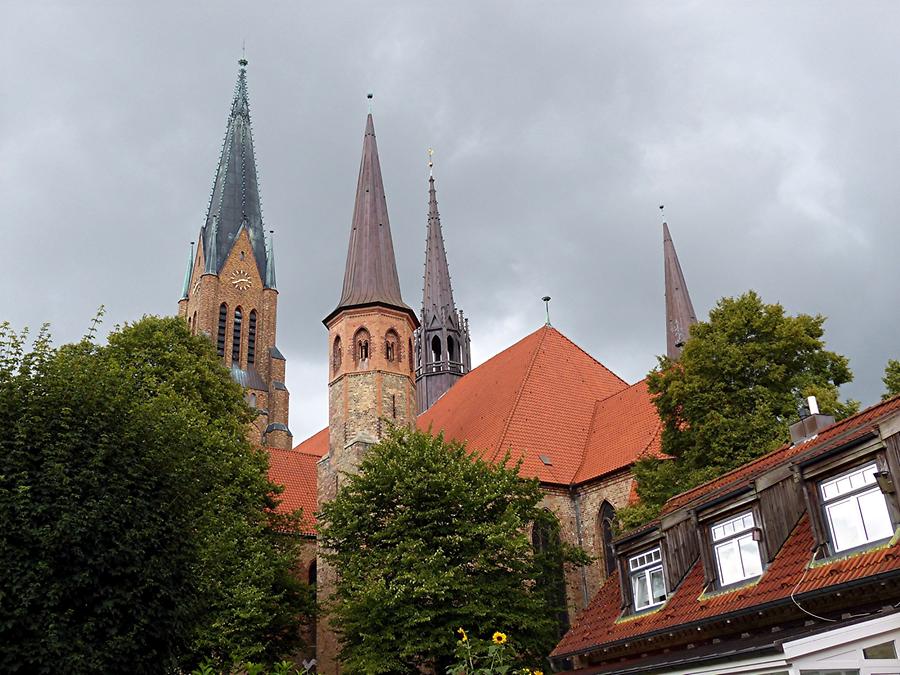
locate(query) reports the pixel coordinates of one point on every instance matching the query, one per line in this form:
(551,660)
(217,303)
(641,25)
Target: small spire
(680,314)
(546,300)
(187,274)
(371,97)
(270,261)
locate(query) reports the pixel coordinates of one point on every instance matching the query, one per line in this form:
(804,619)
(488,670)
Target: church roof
(235,203)
(370,276)
(437,298)
(296,471)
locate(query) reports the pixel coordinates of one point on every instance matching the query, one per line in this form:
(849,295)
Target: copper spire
(680,314)
(370,276)
(235,199)
(437,299)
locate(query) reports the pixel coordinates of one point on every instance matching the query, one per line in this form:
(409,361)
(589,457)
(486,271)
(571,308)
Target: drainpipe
(576,501)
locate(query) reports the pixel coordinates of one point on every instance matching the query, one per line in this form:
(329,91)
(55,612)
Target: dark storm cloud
(769,131)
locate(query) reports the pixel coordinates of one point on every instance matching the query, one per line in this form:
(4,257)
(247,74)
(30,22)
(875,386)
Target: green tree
(733,393)
(891,379)
(137,530)
(428,538)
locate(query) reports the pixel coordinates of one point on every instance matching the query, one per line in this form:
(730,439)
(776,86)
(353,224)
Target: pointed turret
(680,314)
(235,202)
(186,287)
(370,277)
(442,341)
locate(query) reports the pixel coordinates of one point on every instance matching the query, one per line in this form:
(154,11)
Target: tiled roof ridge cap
(294,450)
(515,404)
(814,442)
(595,360)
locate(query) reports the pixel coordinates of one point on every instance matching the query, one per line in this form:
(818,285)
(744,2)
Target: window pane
(875,515)
(750,557)
(657,585)
(846,524)
(885,650)
(639,585)
(730,569)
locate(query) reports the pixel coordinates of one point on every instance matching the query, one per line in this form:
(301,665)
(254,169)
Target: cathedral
(577,426)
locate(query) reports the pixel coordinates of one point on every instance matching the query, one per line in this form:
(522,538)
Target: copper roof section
(235,202)
(680,314)
(370,277)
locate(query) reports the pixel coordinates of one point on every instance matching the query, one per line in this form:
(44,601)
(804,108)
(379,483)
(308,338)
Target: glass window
(885,650)
(647,582)
(855,509)
(736,549)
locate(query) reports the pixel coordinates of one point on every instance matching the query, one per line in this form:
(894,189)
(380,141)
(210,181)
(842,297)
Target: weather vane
(546,300)
(243,61)
(662,211)
(430,162)
(370,96)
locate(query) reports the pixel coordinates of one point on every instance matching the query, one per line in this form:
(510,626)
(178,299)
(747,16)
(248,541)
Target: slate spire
(370,276)
(235,202)
(680,314)
(442,341)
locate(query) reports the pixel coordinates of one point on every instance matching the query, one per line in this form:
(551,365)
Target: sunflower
(499,638)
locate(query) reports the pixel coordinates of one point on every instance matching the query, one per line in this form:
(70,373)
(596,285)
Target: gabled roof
(296,471)
(541,398)
(370,275)
(234,203)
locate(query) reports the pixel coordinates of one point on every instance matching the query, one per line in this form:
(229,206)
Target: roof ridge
(598,362)
(515,404)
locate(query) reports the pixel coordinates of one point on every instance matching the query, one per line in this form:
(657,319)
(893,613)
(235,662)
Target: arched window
(336,354)
(194,331)
(361,347)
(223,321)
(436,353)
(236,337)
(391,342)
(251,399)
(607,518)
(191,325)
(251,338)
(312,573)
(548,549)
(451,349)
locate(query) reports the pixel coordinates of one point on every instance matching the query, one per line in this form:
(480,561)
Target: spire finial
(243,61)
(662,212)
(430,152)
(371,96)
(546,300)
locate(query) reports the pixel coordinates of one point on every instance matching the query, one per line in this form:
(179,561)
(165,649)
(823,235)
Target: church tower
(229,289)
(370,346)
(442,341)
(680,314)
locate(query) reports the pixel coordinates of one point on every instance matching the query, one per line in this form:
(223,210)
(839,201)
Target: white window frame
(736,532)
(640,569)
(850,487)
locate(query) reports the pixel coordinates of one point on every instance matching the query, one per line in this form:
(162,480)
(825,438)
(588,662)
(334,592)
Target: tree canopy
(891,379)
(428,538)
(733,393)
(137,531)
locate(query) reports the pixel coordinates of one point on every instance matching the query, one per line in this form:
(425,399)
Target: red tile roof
(317,444)
(598,624)
(845,431)
(296,471)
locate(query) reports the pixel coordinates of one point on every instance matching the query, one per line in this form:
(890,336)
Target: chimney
(810,424)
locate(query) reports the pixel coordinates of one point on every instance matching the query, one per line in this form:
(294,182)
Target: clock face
(241,280)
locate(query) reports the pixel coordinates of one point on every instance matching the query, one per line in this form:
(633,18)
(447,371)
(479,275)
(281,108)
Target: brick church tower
(370,345)
(229,286)
(442,343)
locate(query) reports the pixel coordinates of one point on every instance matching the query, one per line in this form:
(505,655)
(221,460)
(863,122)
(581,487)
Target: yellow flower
(464,638)
(499,638)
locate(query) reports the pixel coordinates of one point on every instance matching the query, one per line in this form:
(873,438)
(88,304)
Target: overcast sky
(768,129)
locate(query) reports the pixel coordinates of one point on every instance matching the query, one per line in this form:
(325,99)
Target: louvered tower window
(251,338)
(236,337)
(223,320)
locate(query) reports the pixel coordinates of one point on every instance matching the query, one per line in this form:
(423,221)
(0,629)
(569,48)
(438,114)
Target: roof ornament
(430,152)
(546,300)
(662,212)
(243,62)
(371,96)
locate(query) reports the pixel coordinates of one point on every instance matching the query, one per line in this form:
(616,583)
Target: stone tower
(370,348)
(442,341)
(680,314)
(229,287)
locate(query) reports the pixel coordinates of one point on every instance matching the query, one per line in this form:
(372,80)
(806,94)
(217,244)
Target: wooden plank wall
(682,549)
(780,506)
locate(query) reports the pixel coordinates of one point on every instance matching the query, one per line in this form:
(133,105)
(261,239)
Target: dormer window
(737,549)
(648,584)
(855,509)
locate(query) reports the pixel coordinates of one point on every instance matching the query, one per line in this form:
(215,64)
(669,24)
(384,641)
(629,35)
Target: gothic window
(251,399)
(451,349)
(312,573)
(607,518)
(251,338)
(391,340)
(191,325)
(236,337)
(223,321)
(361,347)
(336,354)
(436,351)
(547,546)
